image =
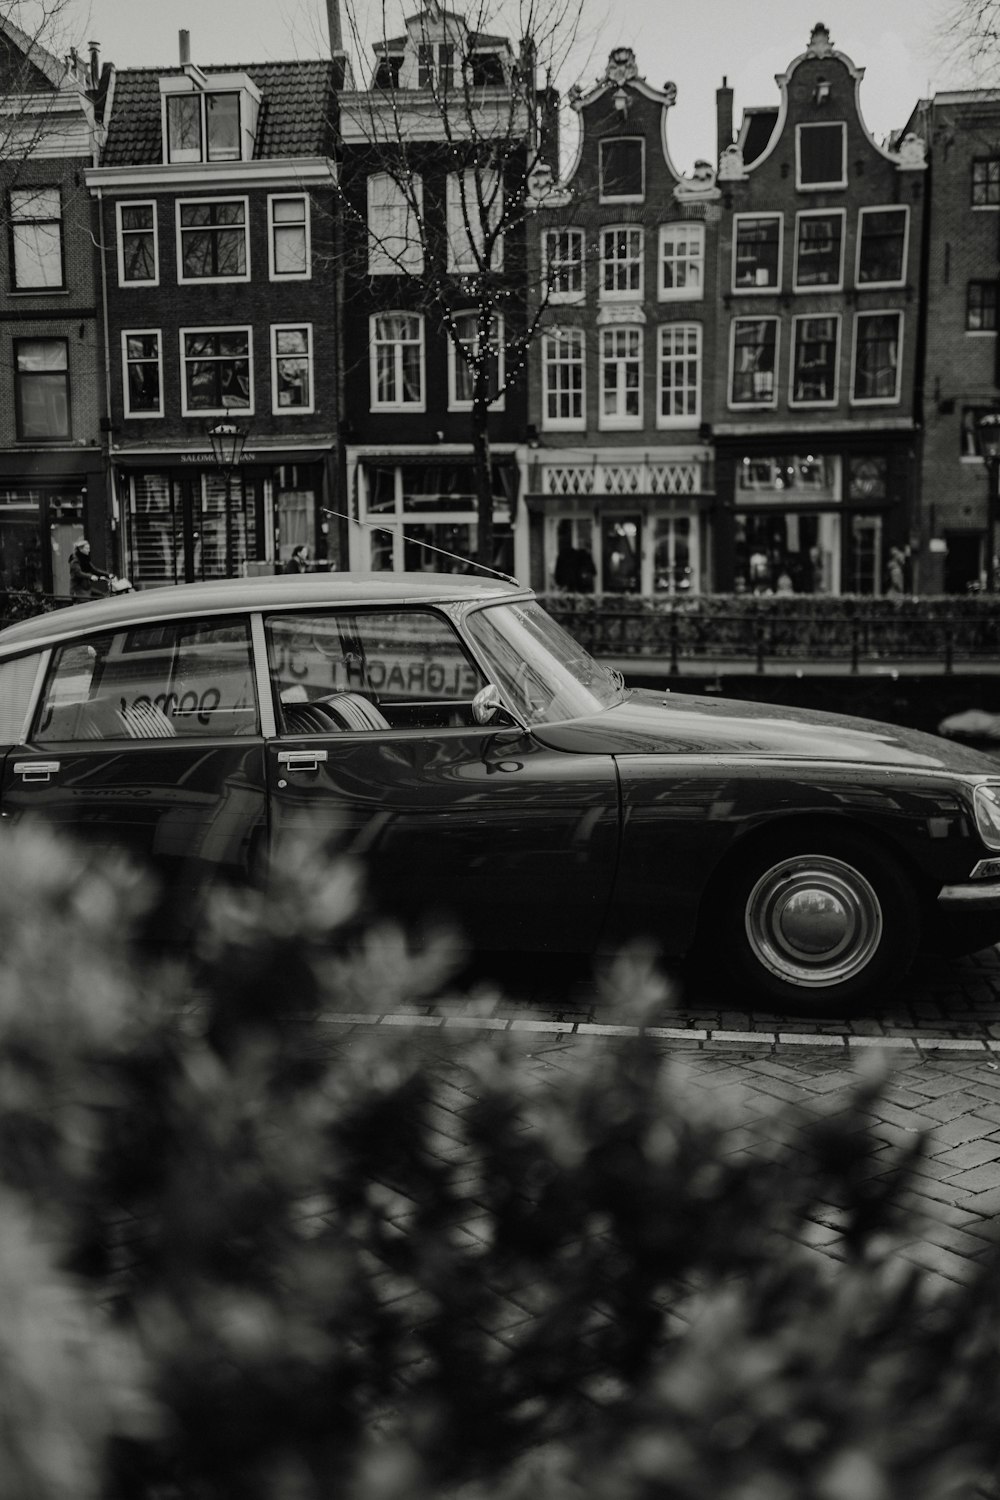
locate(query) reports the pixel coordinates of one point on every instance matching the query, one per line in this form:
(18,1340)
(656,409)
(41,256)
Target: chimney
(333,26)
(95,63)
(184,39)
(724,116)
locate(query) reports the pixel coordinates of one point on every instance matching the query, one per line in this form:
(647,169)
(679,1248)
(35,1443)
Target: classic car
(449,734)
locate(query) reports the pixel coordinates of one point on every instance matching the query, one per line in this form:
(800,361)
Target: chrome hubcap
(813,920)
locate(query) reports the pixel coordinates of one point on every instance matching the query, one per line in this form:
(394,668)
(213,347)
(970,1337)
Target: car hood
(657,723)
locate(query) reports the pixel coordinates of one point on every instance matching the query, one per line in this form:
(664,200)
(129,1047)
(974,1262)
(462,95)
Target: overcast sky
(903,45)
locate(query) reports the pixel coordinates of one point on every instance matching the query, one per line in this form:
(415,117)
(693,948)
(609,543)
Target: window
(138,261)
(882,246)
(981,307)
(814,361)
(821,156)
(394,243)
(753,380)
(621,377)
(682,262)
(218,370)
(986,182)
(203,127)
(680,375)
(562,261)
(291,368)
(562,366)
(487,70)
(41,388)
(621,264)
(212,240)
(185,679)
(36,239)
(397,362)
(475,209)
(970,441)
(877,341)
(622,168)
(819,250)
(460,365)
(756,252)
(288,238)
(142,370)
(435,65)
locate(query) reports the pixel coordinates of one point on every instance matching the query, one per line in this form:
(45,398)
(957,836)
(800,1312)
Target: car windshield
(545,675)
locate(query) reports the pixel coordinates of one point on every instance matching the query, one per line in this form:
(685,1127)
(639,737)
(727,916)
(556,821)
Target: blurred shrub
(244,1253)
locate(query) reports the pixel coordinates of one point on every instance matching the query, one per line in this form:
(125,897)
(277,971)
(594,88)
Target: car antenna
(415,542)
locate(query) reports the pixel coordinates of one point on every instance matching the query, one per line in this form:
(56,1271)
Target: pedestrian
(84,579)
(896,573)
(299,560)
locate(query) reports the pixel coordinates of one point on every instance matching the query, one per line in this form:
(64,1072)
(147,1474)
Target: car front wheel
(819,923)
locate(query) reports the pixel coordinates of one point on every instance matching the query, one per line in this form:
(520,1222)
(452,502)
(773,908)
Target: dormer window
(387,72)
(435,65)
(202,124)
(487,70)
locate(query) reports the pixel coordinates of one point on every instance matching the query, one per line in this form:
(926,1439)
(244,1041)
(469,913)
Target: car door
(378,752)
(147,738)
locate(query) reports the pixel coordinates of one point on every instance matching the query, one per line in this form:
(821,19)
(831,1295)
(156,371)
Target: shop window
(815,349)
(821,155)
(757,252)
(621,264)
(877,348)
(679,375)
(212,240)
(36,239)
(620,554)
(395,246)
(682,262)
(562,259)
(819,250)
(981,307)
(203,126)
(397,362)
(810,475)
(622,169)
(562,374)
(142,372)
(474,214)
(288,238)
(621,377)
(463,360)
(986,182)
(868,478)
(138,256)
(428,516)
(41,389)
(754,361)
(882,246)
(291,368)
(673,558)
(218,371)
(787,552)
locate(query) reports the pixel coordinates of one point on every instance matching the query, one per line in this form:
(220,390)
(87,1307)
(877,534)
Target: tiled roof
(297,111)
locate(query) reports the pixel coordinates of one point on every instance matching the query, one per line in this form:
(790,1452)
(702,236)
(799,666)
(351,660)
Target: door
(379,754)
(147,738)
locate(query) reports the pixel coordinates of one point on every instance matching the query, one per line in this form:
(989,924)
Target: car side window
(17,678)
(178,679)
(370,669)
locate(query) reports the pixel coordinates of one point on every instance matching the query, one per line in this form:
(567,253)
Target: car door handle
(301,760)
(36,770)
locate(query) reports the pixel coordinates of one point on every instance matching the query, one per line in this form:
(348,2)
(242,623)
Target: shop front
(45,509)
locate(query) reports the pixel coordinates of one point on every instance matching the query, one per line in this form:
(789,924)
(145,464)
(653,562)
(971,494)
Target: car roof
(267,592)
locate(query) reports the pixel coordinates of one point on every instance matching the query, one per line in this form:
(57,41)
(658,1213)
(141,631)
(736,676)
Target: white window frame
(236,412)
(38,288)
(292,411)
(467,238)
(757,290)
(619,420)
(980,208)
(882,208)
(668,233)
(273,225)
(127,333)
(120,236)
(663,422)
(879,312)
(189,157)
(402,406)
(620,197)
(831,286)
(753,405)
(182,203)
(820,187)
(809,318)
(572,423)
(454,404)
(629,294)
(579,238)
(380,261)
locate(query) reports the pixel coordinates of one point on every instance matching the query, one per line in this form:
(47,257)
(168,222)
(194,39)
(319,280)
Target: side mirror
(486,704)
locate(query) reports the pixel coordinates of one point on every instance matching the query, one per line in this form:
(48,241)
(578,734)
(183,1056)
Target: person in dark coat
(299,560)
(85,581)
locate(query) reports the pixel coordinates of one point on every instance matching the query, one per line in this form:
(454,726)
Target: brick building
(216,205)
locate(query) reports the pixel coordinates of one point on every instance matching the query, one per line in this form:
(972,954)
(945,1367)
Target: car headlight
(986,801)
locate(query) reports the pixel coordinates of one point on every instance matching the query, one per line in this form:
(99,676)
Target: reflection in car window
(181,678)
(396,669)
(17,678)
(545,674)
